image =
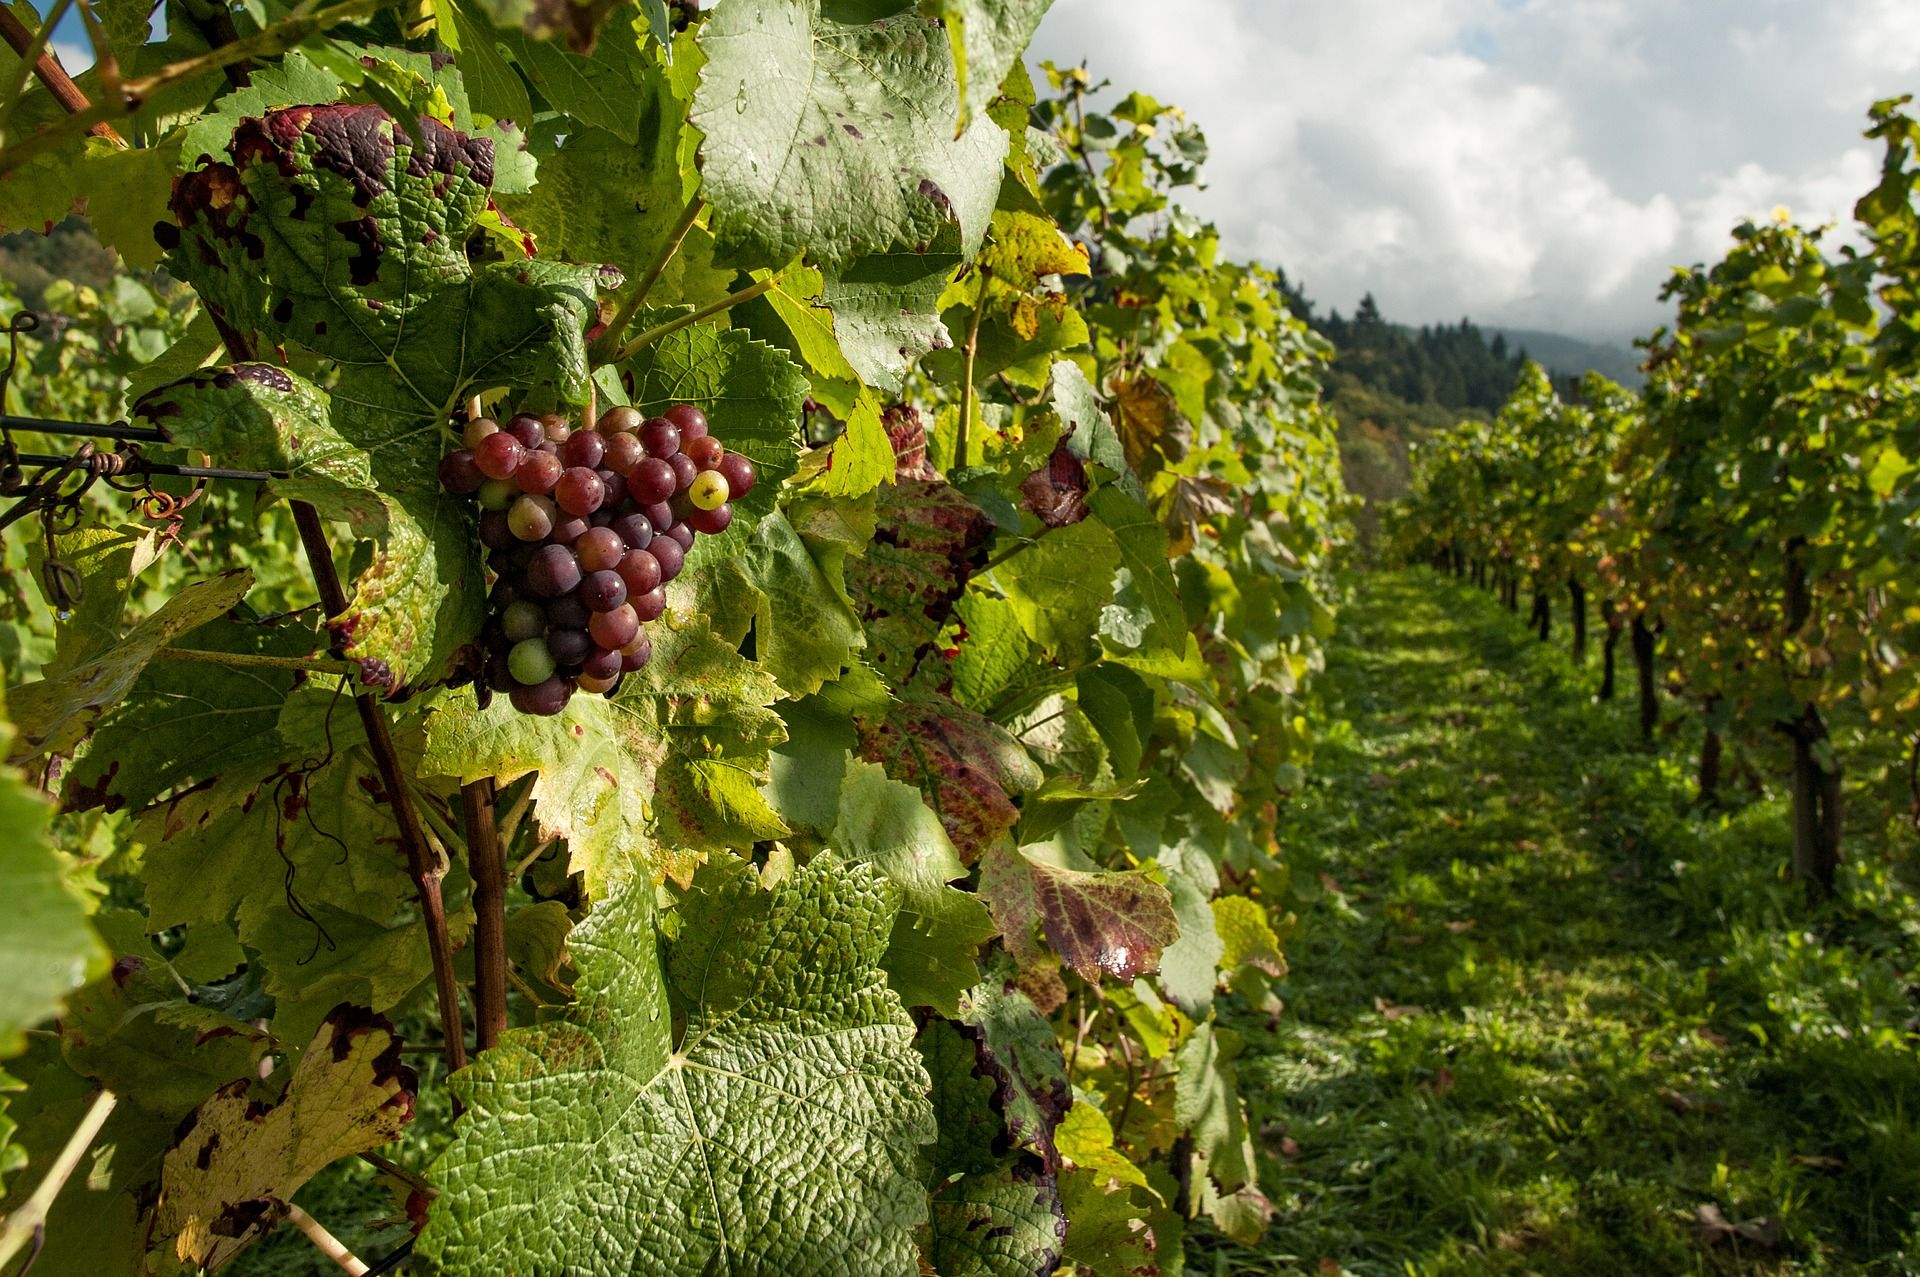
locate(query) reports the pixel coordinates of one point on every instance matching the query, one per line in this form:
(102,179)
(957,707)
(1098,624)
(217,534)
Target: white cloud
(1528,162)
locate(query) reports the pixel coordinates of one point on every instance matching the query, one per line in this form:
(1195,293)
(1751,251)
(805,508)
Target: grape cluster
(583,529)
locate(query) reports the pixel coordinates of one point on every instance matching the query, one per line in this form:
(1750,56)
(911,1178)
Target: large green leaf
(644,784)
(749,1103)
(47,948)
(886,309)
(834,137)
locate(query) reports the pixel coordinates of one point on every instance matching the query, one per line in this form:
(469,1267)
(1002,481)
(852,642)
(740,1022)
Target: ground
(1547,1016)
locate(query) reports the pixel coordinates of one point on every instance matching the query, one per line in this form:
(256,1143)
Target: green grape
(530,662)
(709,490)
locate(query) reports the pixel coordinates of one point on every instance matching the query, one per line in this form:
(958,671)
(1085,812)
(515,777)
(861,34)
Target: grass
(1545,1017)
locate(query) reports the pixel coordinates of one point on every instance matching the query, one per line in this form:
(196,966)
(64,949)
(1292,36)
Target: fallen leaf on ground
(1461,928)
(1393,1011)
(1711,1227)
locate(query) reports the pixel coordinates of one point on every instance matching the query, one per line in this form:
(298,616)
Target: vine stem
(325,1242)
(708,311)
(32,46)
(609,340)
(27,1225)
(970,350)
(248,660)
(275,39)
(488,864)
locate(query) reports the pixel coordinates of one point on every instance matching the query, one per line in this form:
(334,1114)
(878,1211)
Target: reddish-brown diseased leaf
(907,432)
(967,767)
(1016,1047)
(915,568)
(1099,922)
(1056,494)
(236,1162)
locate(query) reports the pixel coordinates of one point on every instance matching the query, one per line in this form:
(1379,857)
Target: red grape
(669,554)
(553,572)
(545,699)
(580,491)
(635,530)
(740,473)
(684,471)
(458,473)
(692,422)
(601,663)
(614,629)
(599,549)
(604,686)
(478,429)
(527,429)
(557,427)
(532,518)
(621,420)
(623,453)
(569,647)
(613,486)
(636,654)
(568,530)
(569,613)
(602,591)
(660,437)
(683,534)
(711,522)
(650,605)
(499,455)
(652,481)
(495,534)
(583,449)
(705,452)
(539,472)
(641,571)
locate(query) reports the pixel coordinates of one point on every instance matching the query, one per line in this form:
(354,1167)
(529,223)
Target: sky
(1528,163)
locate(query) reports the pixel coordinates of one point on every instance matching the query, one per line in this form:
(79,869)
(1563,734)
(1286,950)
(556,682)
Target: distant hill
(1565,356)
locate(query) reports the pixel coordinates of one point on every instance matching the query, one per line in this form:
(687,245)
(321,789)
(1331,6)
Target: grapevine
(751,545)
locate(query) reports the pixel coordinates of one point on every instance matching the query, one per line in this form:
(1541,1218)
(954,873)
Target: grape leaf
(606,89)
(1059,585)
(804,631)
(1018,1049)
(1247,936)
(918,563)
(294,79)
(646,783)
(749,1103)
(1207,1106)
(886,309)
(56,714)
(836,139)
(236,1162)
(967,767)
(1007,1222)
(987,38)
(47,948)
(1190,966)
(1098,921)
(884,823)
(1142,542)
(994,651)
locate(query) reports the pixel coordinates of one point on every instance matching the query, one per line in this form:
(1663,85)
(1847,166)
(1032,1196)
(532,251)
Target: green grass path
(1544,1018)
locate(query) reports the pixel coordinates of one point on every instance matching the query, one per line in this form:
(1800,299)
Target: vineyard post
(1643,666)
(1542,610)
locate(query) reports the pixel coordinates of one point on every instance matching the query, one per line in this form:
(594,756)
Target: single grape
(495,533)
(532,518)
(660,437)
(499,455)
(613,488)
(530,662)
(498,494)
(553,572)
(569,613)
(740,473)
(634,529)
(523,619)
(711,522)
(580,491)
(684,471)
(683,534)
(478,429)
(569,647)
(538,473)
(599,549)
(660,515)
(602,685)
(710,491)
(636,654)
(601,663)
(621,420)
(502,596)
(692,422)
(558,428)
(458,473)
(623,453)
(669,554)
(652,481)
(705,452)
(584,448)
(570,529)
(650,605)
(602,591)
(527,429)
(545,699)
(614,629)
(641,571)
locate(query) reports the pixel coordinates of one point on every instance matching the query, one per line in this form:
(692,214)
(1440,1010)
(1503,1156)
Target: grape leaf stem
(708,311)
(970,350)
(252,660)
(610,339)
(325,1242)
(31,46)
(25,1226)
